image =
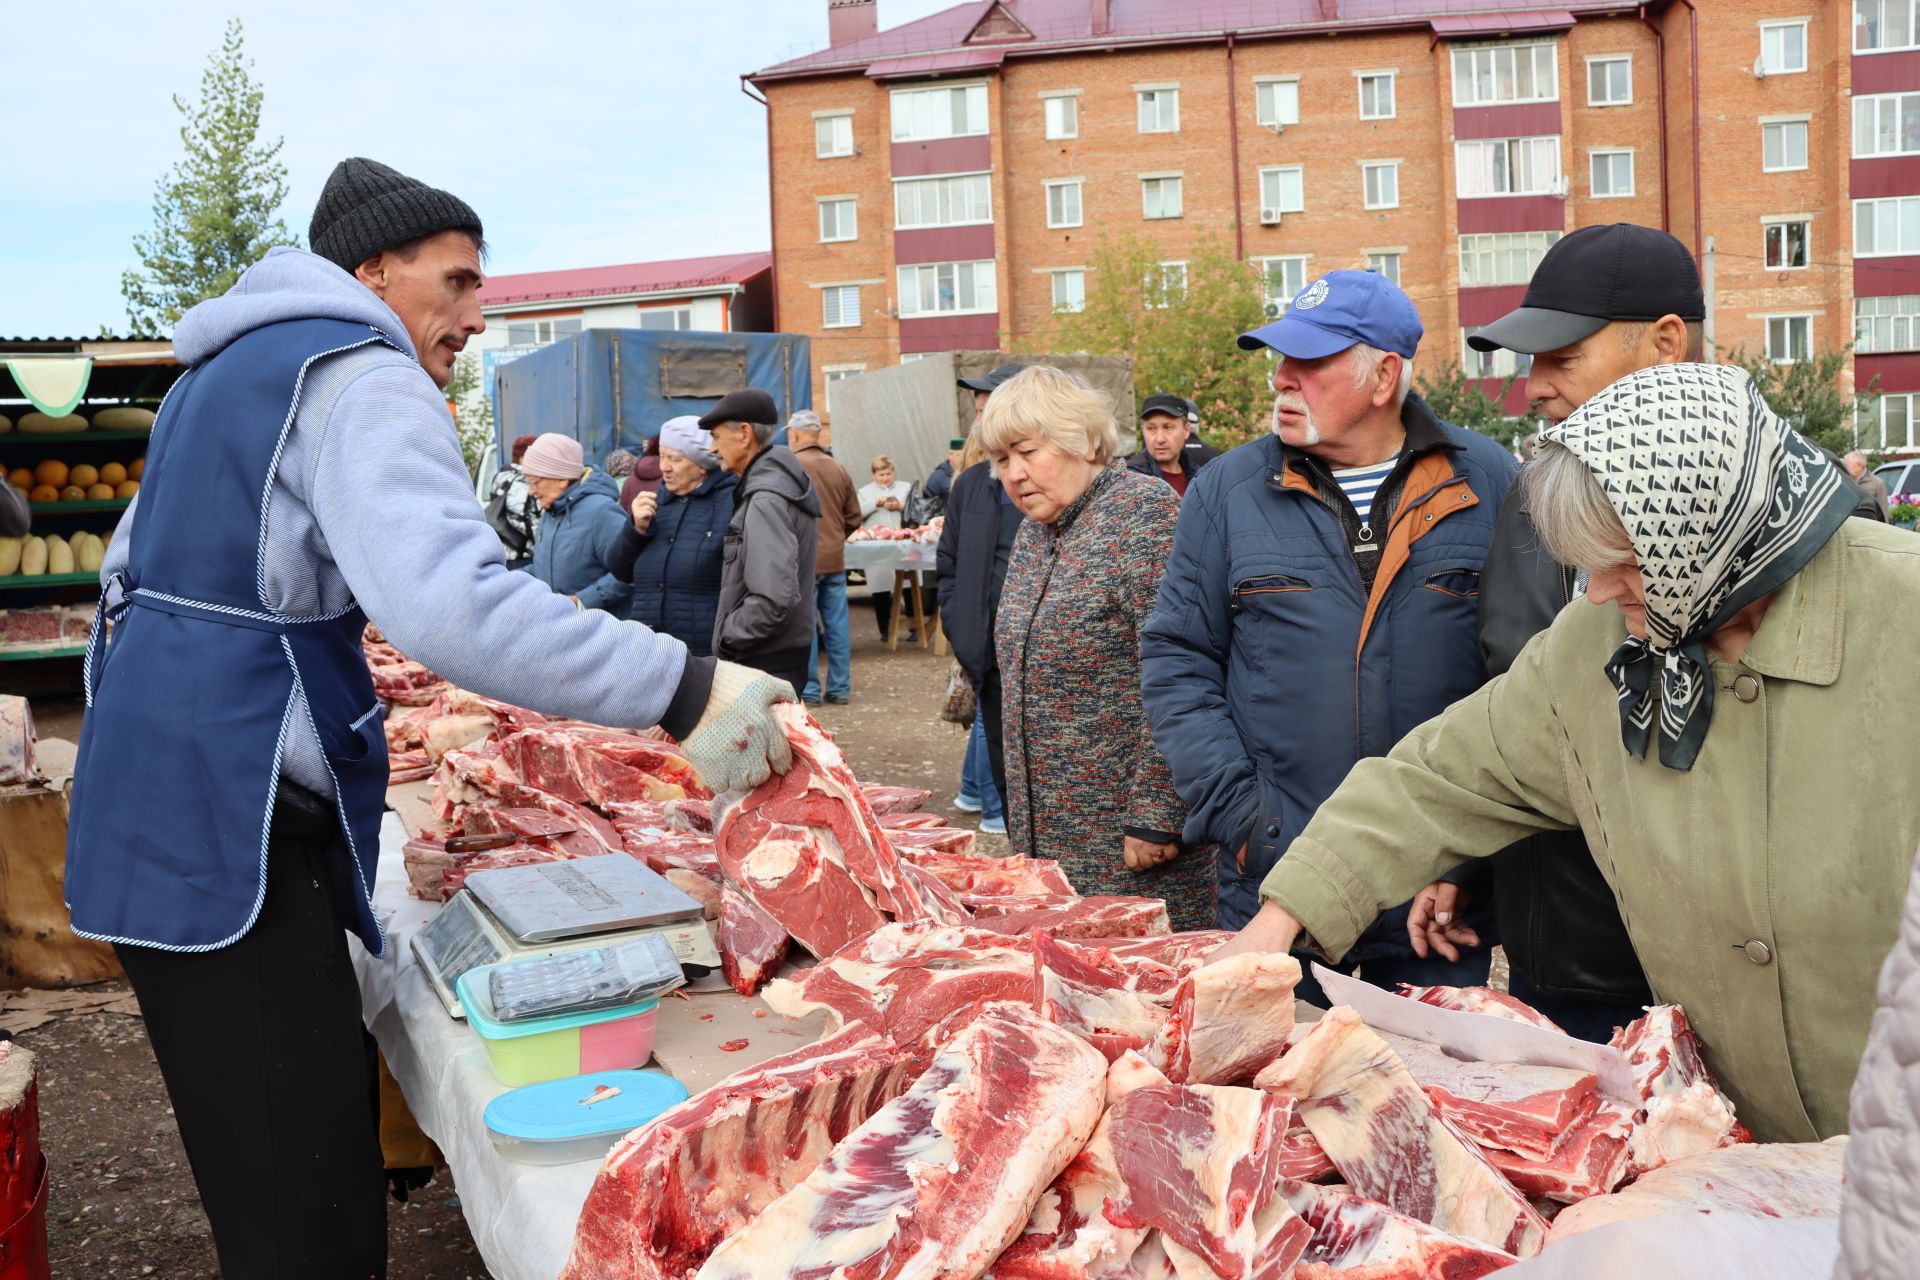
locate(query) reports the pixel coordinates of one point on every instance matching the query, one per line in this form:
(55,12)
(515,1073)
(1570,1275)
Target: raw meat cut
(572,766)
(1359,1239)
(894,799)
(1101,917)
(1184,951)
(988,876)
(1380,1130)
(1196,1162)
(1769,1180)
(689,814)
(906,978)
(991,904)
(535,826)
(1302,1158)
(1229,1019)
(1682,1112)
(673,1189)
(938,839)
(1485,1000)
(1526,1109)
(806,848)
(942,904)
(937,1182)
(752,943)
(1113,1004)
(1591,1159)
(909,821)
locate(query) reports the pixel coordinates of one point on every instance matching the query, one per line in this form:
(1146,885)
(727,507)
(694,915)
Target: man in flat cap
(766,615)
(304,479)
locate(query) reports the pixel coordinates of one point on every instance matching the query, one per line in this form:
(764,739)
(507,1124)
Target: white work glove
(737,745)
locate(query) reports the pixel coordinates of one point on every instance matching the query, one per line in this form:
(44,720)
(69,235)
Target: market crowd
(1365,688)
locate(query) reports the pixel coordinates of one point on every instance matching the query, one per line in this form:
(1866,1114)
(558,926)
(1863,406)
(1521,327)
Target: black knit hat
(367,207)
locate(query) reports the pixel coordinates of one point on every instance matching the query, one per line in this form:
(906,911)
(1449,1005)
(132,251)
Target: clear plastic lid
(584,980)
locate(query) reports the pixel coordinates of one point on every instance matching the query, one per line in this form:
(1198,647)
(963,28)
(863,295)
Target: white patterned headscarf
(1723,502)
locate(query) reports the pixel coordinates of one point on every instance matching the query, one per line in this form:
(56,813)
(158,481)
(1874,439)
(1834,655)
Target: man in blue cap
(1321,599)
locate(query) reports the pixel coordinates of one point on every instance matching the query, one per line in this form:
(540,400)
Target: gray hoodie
(372,503)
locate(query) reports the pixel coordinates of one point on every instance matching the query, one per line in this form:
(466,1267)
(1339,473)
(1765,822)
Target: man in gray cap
(305,479)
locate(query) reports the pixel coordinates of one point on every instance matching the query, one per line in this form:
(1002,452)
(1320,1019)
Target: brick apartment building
(941,185)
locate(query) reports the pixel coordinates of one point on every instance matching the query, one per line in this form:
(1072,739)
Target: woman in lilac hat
(580,521)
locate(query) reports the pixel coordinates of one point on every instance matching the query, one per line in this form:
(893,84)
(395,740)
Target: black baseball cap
(1592,277)
(1172,406)
(991,381)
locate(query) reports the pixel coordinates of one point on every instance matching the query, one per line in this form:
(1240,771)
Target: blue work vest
(191,707)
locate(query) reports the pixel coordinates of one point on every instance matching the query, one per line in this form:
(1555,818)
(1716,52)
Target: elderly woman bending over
(1710,717)
(1085,784)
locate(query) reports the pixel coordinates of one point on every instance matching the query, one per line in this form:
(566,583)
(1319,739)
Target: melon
(124,417)
(99,493)
(83,475)
(43,493)
(126,488)
(90,554)
(59,555)
(72,493)
(39,424)
(33,558)
(52,471)
(112,473)
(10,549)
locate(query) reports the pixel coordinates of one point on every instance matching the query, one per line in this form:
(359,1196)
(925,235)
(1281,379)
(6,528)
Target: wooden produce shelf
(20,582)
(51,438)
(50,651)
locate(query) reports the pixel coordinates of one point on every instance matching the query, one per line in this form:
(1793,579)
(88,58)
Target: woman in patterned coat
(1085,784)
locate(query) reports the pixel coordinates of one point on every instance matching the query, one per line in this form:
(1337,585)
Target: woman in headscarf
(1710,717)
(580,522)
(673,549)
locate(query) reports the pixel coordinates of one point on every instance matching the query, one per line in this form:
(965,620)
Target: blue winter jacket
(577,537)
(675,565)
(1267,671)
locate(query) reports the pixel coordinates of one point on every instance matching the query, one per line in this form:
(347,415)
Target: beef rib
(1229,1019)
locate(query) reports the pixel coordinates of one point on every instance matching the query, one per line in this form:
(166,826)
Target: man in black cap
(1171,445)
(766,613)
(305,479)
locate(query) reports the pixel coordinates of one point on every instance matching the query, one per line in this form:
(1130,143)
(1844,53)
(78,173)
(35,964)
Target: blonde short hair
(1570,510)
(881,462)
(1054,407)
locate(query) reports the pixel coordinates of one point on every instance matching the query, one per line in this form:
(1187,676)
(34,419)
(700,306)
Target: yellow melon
(52,471)
(112,473)
(126,489)
(83,475)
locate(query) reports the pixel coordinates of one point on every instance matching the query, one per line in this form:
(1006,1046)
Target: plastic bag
(584,980)
(1689,1247)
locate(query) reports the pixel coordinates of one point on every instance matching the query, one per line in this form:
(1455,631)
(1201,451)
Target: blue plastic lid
(551,1111)
(472,990)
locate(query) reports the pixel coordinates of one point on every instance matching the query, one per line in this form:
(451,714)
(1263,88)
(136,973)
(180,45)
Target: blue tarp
(612,388)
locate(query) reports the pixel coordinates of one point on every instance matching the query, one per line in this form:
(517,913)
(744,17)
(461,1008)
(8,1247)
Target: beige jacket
(1762,889)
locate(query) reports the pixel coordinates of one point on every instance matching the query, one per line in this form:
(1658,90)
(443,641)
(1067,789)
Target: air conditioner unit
(1274,310)
(1559,187)
(1760,67)
(1269,216)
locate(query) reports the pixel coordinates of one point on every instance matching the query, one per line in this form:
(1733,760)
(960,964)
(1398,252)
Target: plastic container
(550,1048)
(547,1123)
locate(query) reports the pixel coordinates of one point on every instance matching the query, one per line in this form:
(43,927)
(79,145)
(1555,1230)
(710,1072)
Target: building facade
(942,185)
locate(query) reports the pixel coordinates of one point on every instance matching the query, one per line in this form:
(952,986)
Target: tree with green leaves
(1463,400)
(216,212)
(1807,394)
(473,412)
(1179,332)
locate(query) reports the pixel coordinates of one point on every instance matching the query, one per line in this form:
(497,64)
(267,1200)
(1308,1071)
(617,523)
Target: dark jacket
(15,516)
(971,565)
(675,565)
(936,492)
(766,581)
(839,507)
(1197,454)
(1249,663)
(577,533)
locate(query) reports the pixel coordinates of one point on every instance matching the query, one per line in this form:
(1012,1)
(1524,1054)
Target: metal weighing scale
(519,913)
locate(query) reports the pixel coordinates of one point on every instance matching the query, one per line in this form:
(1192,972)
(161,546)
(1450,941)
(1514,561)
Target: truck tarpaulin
(612,388)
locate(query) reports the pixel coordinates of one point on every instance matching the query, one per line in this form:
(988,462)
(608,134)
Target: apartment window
(1376,95)
(833,136)
(1070,289)
(1498,363)
(840,306)
(837,219)
(1891,420)
(1063,116)
(1783,47)
(1380,182)
(1886,124)
(1783,145)
(1386,264)
(1502,258)
(1063,203)
(964,200)
(1609,82)
(1789,338)
(1612,173)
(1283,189)
(839,373)
(1504,73)
(1281,279)
(1166,286)
(1879,25)
(1786,245)
(1508,167)
(920,115)
(666,318)
(937,288)
(1886,324)
(538,333)
(1889,226)
(1276,102)
(1160,197)
(1159,110)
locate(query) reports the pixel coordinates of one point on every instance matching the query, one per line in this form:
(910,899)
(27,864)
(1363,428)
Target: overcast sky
(583,131)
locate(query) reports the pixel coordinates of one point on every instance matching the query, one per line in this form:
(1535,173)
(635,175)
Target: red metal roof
(1059,25)
(1501,24)
(928,64)
(675,275)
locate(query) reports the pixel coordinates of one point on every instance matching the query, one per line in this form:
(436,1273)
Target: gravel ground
(123,1202)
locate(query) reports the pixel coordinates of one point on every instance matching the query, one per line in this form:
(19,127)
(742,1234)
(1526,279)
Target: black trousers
(272,1075)
(988,698)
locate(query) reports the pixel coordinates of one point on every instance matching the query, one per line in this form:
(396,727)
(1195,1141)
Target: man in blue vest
(304,477)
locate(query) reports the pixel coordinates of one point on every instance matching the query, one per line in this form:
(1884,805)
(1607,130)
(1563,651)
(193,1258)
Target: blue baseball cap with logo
(1336,311)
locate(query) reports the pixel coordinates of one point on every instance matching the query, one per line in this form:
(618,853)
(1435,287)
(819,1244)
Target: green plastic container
(552,1048)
